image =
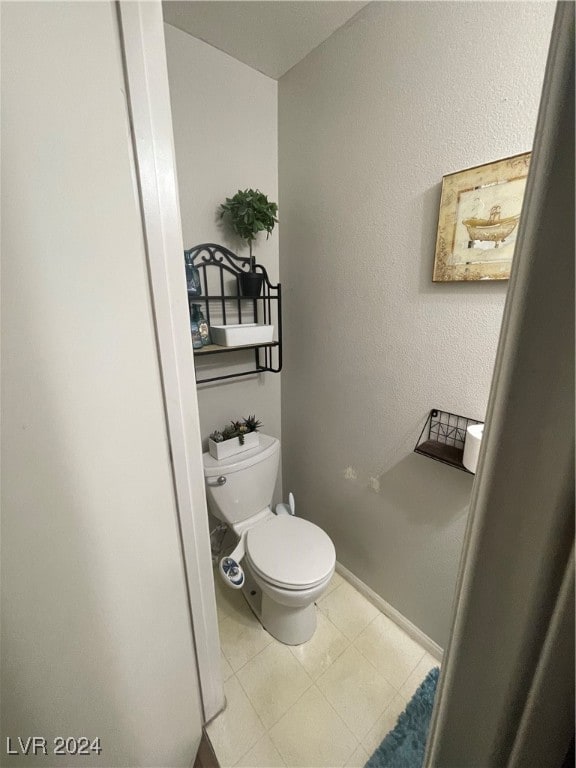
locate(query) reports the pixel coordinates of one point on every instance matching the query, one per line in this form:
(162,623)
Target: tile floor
(329,702)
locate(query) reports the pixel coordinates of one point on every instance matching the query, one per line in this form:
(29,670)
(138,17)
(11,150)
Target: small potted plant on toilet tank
(250,212)
(236,437)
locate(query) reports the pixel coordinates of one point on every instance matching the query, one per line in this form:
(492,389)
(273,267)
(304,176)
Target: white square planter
(230,447)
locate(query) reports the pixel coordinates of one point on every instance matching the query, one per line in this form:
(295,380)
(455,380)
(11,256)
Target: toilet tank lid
(213,467)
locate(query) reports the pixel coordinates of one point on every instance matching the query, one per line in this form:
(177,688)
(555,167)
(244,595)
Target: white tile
(358,759)
(426,664)
(241,641)
(312,734)
(230,602)
(394,653)
(358,693)
(226,669)
(335,581)
(384,724)
(348,610)
(262,755)
(273,681)
(323,649)
(237,729)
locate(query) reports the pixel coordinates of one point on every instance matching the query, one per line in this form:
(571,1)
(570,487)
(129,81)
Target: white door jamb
(148,98)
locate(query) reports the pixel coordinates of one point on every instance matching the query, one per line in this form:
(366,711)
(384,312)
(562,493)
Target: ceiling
(268,35)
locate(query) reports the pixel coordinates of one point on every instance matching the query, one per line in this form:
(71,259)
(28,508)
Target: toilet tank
(242,485)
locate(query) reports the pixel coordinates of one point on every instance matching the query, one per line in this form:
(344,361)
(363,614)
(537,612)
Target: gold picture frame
(478,222)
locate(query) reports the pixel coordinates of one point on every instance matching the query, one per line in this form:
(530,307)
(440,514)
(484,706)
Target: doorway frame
(148,98)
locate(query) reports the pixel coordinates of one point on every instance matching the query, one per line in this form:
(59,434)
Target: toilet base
(292,626)
(253,595)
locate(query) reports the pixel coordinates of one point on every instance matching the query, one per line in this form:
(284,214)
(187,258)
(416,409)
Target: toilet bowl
(285,562)
(292,561)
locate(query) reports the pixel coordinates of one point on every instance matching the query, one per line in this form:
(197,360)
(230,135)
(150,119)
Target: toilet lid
(290,552)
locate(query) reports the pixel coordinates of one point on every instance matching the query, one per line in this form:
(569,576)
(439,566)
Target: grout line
(339,716)
(413,669)
(375,668)
(259,720)
(396,693)
(370,751)
(405,703)
(397,689)
(333,660)
(299,697)
(332,592)
(213,742)
(328,619)
(257,653)
(333,710)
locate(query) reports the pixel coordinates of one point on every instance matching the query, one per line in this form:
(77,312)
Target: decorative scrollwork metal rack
(233,308)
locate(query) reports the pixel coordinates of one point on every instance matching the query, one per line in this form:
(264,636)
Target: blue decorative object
(195,330)
(199,327)
(405,745)
(192,276)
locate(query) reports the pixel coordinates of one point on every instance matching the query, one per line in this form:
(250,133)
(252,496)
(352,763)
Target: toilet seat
(290,553)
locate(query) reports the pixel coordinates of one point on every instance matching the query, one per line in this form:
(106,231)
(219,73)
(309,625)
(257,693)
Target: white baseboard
(410,629)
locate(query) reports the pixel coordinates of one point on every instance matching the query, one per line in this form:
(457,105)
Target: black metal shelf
(214,349)
(230,297)
(234,308)
(444,436)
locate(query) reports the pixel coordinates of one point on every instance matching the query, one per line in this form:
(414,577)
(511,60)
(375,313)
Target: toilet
(281,563)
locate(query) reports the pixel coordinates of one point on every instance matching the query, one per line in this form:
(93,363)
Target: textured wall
(368,124)
(225,131)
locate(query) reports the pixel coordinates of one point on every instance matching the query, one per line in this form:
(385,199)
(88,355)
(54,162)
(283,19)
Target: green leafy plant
(237,429)
(250,212)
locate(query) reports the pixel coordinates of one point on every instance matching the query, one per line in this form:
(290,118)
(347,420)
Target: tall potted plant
(250,212)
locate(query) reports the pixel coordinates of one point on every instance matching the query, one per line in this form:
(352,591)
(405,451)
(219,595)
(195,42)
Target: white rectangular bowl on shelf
(241,335)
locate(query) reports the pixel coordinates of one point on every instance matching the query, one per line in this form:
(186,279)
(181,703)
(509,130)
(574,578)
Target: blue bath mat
(404,746)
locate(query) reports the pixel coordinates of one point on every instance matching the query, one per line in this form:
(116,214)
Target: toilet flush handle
(221,480)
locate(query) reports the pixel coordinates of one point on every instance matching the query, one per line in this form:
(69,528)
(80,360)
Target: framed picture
(478,223)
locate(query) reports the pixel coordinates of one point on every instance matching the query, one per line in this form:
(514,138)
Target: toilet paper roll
(472,446)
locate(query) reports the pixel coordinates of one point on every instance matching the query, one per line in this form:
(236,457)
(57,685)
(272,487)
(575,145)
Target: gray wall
(96,634)
(225,118)
(368,124)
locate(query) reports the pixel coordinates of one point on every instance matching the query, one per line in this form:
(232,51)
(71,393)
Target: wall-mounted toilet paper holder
(443,438)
